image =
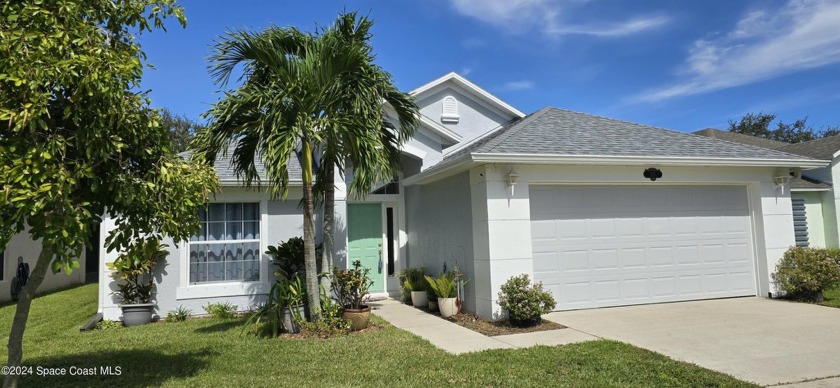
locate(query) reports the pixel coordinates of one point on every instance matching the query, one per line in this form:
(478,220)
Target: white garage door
(598,246)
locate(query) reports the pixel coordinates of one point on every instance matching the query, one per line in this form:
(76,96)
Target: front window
(228,246)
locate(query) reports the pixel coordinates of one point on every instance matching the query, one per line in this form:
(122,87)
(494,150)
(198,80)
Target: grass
(211,352)
(832,297)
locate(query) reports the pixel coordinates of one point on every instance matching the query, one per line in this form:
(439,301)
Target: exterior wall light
(780,182)
(513,178)
(652,173)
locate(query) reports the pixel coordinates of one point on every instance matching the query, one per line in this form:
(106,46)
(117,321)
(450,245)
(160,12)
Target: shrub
(108,325)
(806,272)
(446,285)
(178,315)
(221,310)
(330,323)
(351,285)
(524,301)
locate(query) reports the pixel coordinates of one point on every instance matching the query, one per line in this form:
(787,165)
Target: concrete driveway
(754,339)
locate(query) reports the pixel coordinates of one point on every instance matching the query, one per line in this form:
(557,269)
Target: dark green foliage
(351,285)
(267,320)
(758,125)
(221,310)
(181,129)
(134,270)
(288,257)
(525,301)
(806,272)
(414,279)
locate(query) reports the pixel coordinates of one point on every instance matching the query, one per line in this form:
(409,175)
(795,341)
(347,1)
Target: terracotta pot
(447,307)
(358,318)
(137,314)
(419,298)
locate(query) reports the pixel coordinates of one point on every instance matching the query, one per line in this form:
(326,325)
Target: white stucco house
(565,197)
(813,196)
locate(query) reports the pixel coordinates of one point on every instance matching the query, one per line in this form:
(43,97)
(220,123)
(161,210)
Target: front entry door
(364,234)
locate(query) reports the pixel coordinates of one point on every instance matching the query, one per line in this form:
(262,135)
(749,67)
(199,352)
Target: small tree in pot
(446,289)
(414,281)
(524,302)
(133,271)
(351,290)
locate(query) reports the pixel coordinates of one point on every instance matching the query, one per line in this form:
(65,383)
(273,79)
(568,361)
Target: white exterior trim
(440,130)
(809,190)
(471,87)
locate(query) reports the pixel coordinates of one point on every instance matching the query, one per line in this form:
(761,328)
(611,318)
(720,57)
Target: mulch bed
(492,329)
(372,328)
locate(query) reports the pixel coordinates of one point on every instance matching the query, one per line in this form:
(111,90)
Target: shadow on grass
(137,368)
(221,326)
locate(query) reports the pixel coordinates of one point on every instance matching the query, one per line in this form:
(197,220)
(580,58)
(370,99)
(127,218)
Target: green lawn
(208,352)
(832,297)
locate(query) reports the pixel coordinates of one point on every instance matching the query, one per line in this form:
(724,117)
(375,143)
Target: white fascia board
(471,87)
(798,190)
(444,132)
(237,183)
(637,160)
(440,171)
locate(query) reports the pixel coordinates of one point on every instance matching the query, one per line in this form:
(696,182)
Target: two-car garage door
(598,246)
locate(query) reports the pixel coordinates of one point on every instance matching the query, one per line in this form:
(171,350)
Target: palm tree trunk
(22,313)
(312,290)
(329,216)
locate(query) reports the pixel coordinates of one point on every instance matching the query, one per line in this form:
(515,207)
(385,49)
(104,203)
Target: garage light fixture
(513,178)
(652,173)
(780,182)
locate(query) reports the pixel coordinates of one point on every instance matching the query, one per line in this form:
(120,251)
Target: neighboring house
(559,195)
(21,248)
(813,198)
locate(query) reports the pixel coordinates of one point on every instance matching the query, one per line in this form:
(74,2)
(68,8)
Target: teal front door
(364,235)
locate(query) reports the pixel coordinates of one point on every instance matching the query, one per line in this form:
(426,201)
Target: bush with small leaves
(221,310)
(805,272)
(108,325)
(178,315)
(523,301)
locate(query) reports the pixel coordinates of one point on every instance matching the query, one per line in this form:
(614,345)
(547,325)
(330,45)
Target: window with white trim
(227,249)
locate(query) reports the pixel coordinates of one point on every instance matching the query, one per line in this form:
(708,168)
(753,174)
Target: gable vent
(450,110)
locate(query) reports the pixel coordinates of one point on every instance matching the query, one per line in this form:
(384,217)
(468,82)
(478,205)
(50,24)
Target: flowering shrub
(351,285)
(524,301)
(806,272)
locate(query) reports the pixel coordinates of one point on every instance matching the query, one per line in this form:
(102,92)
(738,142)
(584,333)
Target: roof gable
(472,89)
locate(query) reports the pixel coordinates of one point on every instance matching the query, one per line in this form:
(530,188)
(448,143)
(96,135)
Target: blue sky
(683,65)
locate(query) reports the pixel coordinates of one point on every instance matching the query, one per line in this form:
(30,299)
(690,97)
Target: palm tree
(372,148)
(299,93)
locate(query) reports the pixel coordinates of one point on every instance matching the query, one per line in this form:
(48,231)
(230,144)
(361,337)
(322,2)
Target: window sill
(217,290)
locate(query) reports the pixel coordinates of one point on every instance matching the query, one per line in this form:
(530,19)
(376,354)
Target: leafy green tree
(77,141)
(379,157)
(181,129)
(759,124)
(302,93)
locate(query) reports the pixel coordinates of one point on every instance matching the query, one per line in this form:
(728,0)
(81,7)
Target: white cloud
(519,85)
(764,44)
(465,71)
(550,17)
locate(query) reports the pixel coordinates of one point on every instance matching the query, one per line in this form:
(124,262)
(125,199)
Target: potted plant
(415,282)
(430,295)
(525,303)
(446,289)
(133,270)
(351,290)
(292,293)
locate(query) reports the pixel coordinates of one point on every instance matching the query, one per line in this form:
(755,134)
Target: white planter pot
(447,307)
(419,299)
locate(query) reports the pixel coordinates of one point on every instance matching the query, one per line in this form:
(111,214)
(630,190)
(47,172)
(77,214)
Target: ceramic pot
(289,323)
(433,305)
(137,314)
(359,319)
(419,299)
(447,307)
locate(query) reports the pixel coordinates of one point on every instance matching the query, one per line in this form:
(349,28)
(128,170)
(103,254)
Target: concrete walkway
(458,340)
(765,341)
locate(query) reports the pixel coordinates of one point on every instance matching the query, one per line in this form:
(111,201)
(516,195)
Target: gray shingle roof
(808,183)
(741,138)
(227,175)
(819,149)
(552,131)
